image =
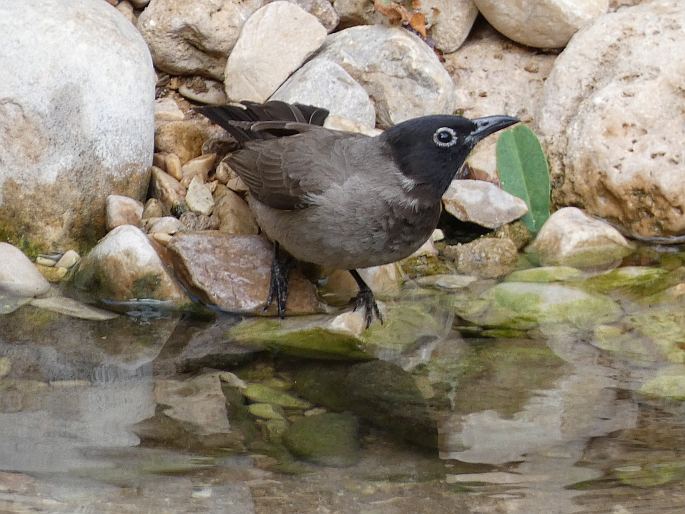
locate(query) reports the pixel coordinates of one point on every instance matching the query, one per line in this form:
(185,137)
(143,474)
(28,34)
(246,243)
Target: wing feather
(287,173)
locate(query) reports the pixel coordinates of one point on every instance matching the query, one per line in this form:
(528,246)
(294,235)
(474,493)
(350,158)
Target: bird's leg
(365,299)
(278,287)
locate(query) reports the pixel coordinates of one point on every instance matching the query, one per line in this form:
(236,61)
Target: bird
(339,199)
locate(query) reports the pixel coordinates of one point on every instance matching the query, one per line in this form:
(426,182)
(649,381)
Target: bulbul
(344,200)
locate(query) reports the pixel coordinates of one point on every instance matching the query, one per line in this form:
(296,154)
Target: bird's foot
(278,286)
(366,299)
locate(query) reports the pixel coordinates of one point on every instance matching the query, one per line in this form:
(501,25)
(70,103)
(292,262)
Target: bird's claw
(366,299)
(278,285)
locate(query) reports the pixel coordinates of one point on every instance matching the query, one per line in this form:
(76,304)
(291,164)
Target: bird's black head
(431,150)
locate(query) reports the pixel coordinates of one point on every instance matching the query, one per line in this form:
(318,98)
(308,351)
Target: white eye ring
(445,144)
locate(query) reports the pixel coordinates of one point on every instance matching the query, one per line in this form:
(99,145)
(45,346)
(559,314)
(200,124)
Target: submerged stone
(526,305)
(323,337)
(266,411)
(545,274)
(343,336)
(632,281)
(670,383)
(652,335)
(261,393)
(378,391)
(329,439)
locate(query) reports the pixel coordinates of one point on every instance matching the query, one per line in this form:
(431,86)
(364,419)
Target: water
(131,415)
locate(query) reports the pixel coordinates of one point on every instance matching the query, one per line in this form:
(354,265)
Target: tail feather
(237,119)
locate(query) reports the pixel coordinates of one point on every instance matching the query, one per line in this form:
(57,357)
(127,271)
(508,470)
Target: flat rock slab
(329,439)
(233,272)
(198,402)
(72,308)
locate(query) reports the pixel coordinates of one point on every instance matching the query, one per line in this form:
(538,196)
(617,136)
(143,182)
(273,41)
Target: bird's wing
(288,172)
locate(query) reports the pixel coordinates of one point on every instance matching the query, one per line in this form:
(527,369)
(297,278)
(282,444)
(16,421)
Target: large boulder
(400,72)
(541,23)
(613,119)
(188,37)
(76,119)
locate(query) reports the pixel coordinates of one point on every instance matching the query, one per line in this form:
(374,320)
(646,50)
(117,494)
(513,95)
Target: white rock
(541,23)
(122,210)
(613,121)
(166,109)
(44,261)
(18,275)
(572,238)
(322,9)
(383,280)
(483,203)
(274,42)
(399,71)
(164,225)
(493,76)
(198,197)
(324,83)
(204,91)
(450,21)
(198,167)
(76,117)
(194,36)
(126,9)
(437,235)
(72,308)
(124,266)
(69,259)
(427,249)
(334,122)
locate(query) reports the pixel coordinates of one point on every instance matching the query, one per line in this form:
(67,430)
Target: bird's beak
(489,125)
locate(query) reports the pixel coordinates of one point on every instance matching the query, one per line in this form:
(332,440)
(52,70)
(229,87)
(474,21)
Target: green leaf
(523,172)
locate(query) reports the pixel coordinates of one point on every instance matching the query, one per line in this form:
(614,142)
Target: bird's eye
(445,137)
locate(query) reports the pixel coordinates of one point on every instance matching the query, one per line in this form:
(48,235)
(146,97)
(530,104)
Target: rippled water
(111,416)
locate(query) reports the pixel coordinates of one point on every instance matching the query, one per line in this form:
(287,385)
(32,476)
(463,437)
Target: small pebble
(68,260)
(198,197)
(162,238)
(44,261)
(172,165)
